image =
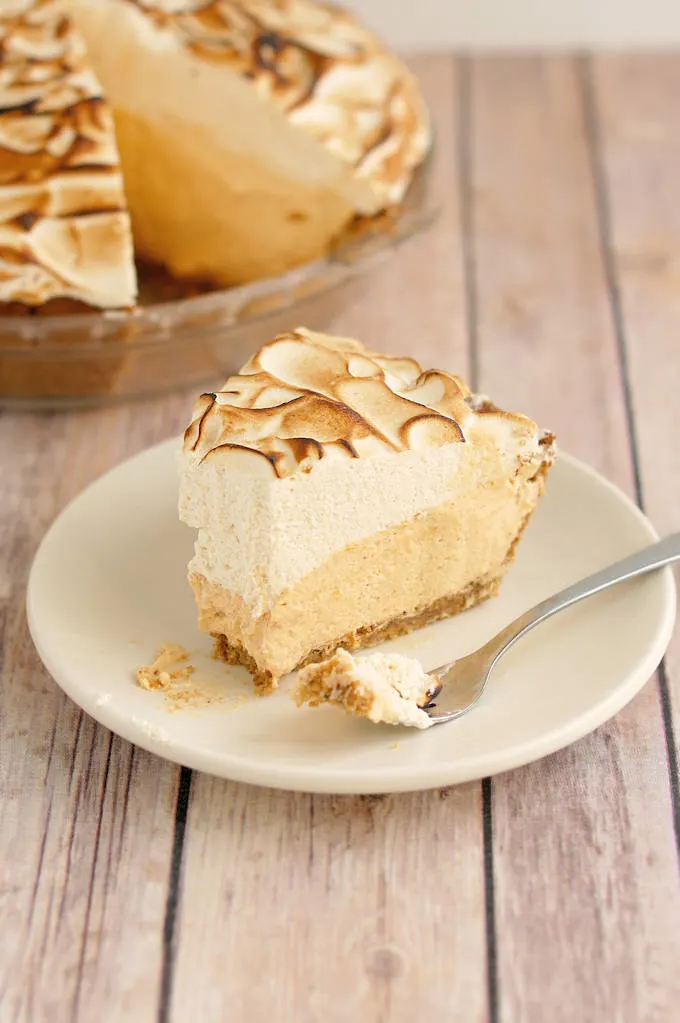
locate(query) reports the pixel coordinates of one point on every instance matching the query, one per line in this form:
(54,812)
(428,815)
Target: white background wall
(434,24)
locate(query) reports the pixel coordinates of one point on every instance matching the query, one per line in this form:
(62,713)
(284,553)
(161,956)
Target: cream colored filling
(238,219)
(258,536)
(401,570)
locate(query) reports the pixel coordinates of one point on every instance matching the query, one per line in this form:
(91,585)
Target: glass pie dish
(194,340)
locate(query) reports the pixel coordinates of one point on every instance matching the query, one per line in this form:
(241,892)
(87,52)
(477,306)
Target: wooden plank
(586,895)
(297,907)
(546,341)
(313,908)
(330,908)
(640,140)
(87,821)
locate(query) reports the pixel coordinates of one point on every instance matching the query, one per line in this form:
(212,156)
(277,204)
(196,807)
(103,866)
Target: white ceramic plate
(108,587)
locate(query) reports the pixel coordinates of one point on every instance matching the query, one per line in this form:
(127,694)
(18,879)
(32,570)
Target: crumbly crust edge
(369,635)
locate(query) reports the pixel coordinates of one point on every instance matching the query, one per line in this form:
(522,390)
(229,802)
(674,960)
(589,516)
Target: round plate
(108,588)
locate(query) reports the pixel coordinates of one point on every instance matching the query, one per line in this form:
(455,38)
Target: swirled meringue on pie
(64,226)
(342,497)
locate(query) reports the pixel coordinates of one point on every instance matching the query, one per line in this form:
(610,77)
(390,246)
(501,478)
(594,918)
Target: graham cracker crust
(353,697)
(369,635)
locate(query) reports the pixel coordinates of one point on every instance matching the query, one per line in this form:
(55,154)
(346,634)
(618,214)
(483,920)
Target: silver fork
(460,684)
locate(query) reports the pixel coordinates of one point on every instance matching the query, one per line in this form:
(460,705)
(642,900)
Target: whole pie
(250,134)
(343,497)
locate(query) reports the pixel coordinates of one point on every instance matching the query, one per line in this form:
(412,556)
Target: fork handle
(647,560)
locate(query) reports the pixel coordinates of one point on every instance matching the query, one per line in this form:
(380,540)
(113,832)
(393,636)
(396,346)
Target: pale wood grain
(310,908)
(301,908)
(636,100)
(587,896)
(319,908)
(546,339)
(87,822)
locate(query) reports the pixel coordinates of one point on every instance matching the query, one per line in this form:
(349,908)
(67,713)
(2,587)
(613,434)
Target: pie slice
(343,497)
(65,235)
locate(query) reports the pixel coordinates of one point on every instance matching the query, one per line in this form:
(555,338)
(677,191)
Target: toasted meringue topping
(305,396)
(64,229)
(330,76)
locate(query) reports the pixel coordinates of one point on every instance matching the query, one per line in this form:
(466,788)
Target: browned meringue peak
(64,229)
(323,68)
(77,257)
(306,396)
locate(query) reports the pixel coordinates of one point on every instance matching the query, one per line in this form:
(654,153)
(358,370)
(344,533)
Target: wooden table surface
(132,890)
